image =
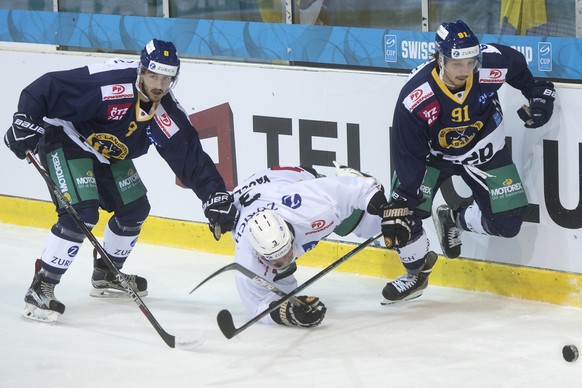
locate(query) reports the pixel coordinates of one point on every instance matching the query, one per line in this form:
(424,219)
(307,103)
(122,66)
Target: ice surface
(446,338)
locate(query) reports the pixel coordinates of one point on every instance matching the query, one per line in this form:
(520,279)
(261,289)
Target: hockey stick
(224,318)
(169,339)
(254,277)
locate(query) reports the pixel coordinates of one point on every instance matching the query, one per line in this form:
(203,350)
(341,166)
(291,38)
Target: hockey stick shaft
(224,318)
(169,339)
(254,277)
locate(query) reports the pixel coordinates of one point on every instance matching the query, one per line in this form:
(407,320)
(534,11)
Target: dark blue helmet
(160,57)
(455,40)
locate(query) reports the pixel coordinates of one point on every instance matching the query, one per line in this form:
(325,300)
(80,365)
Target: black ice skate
(448,232)
(106,285)
(409,286)
(40,301)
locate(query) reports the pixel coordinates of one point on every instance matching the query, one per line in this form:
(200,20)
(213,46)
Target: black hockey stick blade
(224,318)
(254,277)
(218,272)
(225,323)
(169,339)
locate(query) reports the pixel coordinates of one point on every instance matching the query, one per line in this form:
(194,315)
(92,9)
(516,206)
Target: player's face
(284,261)
(456,71)
(155,85)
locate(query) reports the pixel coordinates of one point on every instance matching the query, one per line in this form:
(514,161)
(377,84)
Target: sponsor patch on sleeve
(417,96)
(492,76)
(116,92)
(165,122)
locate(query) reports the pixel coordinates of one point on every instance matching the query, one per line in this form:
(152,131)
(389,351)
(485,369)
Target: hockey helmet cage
(160,57)
(455,40)
(270,235)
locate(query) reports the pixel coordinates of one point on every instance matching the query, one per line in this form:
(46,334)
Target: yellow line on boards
(522,282)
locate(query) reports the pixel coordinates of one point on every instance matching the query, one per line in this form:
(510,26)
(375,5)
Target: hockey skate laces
(404,282)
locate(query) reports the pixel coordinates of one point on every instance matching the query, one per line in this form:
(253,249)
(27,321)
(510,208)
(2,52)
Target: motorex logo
(544,56)
(390,48)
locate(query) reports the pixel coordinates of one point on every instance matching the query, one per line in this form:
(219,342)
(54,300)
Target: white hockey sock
(472,217)
(411,254)
(118,247)
(58,255)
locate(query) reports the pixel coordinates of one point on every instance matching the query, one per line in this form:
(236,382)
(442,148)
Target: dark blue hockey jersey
(464,127)
(98,107)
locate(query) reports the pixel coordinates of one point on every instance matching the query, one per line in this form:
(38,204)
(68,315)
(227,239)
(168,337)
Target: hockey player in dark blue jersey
(87,125)
(448,121)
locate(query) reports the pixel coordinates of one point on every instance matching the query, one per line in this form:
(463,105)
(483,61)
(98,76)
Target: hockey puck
(190,341)
(570,353)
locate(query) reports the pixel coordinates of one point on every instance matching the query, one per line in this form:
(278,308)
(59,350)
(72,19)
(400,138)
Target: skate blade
(112,293)
(33,313)
(412,296)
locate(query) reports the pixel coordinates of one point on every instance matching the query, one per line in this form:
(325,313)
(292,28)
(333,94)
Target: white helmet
(269,234)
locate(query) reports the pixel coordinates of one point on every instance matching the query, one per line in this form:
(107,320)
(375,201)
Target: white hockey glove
(341,170)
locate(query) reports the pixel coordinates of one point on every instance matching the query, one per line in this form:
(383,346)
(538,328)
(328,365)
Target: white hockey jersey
(313,207)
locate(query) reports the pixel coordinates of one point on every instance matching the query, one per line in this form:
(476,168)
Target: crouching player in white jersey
(448,121)
(285,212)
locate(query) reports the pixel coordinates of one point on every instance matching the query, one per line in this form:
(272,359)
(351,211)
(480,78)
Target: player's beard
(150,94)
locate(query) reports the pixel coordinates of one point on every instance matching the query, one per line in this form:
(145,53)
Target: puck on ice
(570,353)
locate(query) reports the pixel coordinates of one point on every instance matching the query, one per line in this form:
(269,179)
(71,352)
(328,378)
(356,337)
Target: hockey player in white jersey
(285,212)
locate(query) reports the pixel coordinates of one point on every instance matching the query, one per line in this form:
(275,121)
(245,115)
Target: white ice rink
(447,338)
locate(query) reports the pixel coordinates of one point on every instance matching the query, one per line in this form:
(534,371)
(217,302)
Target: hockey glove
(221,213)
(396,224)
(309,315)
(23,135)
(341,170)
(541,105)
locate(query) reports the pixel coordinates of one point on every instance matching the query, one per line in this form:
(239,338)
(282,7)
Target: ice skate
(448,232)
(40,301)
(409,286)
(106,285)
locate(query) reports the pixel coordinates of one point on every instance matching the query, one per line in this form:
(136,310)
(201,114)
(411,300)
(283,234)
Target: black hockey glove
(221,213)
(396,223)
(23,135)
(541,105)
(309,315)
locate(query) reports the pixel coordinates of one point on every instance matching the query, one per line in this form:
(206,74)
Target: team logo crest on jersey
(108,145)
(417,96)
(492,76)
(116,92)
(458,137)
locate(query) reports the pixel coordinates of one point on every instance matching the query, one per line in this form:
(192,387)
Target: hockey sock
(57,256)
(119,241)
(471,219)
(412,255)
